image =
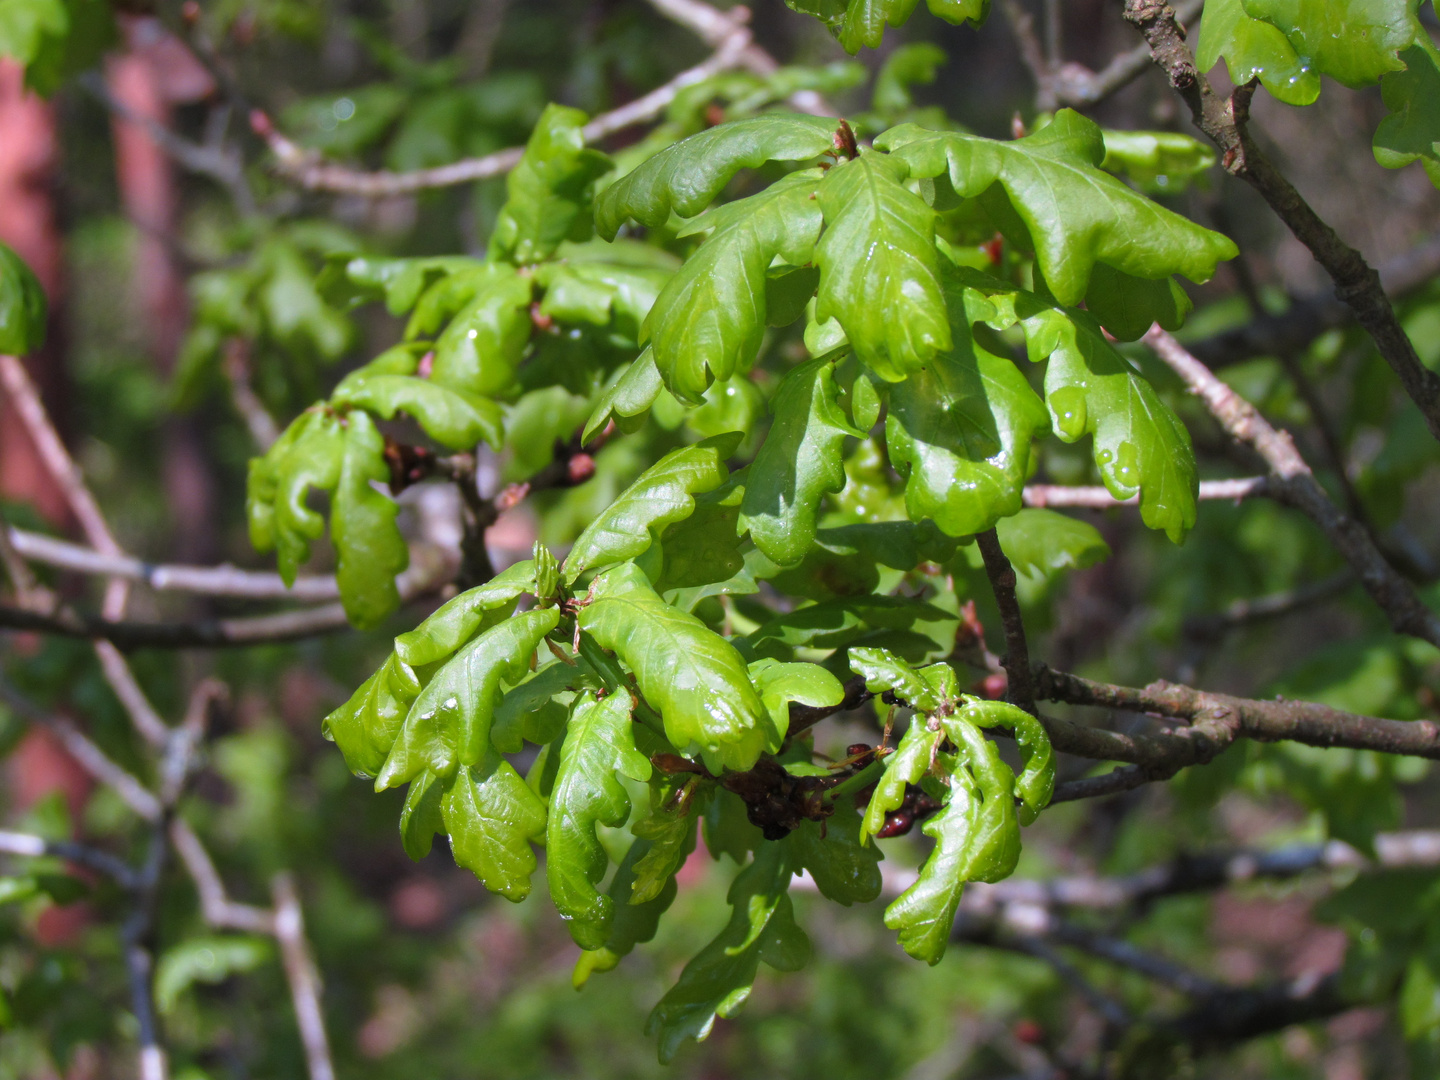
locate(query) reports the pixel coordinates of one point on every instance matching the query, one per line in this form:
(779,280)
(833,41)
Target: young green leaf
(549,190)
(369,550)
(481,346)
(1412,130)
(709,319)
(959,433)
(628,397)
(861,23)
(879,269)
(843,867)
(1352,41)
(1036,782)
(459,619)
(536,711)
(925,912)
(635,921)
(693,677)
(449,722)
(779,684)
(312,459)
(1077,214)
(1128,306)
(1254,49)
(365,727)
(1041,543)
(839,623)
(718,980)
(205,960)
(705,547)
(22,304)
(663,494)
(683,179)
(669,834)
(910,761)
(453,418)
(492,818)
(883,670)
(994,843)
(423,814)
(797,465)
(598,749)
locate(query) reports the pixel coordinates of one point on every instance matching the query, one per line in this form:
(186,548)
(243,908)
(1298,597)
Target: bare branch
(309,171)
(1245,612)
(1017,652)
(216,906)
(14,843)
(1225,121)
(1224,718)
(1294,484)
(303,978)
(251,409)
(1099,498)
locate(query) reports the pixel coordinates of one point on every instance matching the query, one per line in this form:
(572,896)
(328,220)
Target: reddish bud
(993,248)
(260,123)
(539,319)
(714,114)
(190,12)
(1028,1031)
(426,365)
(994,686)
(579,468)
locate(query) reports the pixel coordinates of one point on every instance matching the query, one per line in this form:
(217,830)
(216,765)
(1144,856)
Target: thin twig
(26,844)
(1017,652)
(1294,484)
(307,170)
(215,904)
(242,395)
(303,978)
(1226,122)
(1095,497)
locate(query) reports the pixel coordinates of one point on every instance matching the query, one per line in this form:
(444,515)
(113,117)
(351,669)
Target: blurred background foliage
(426,975)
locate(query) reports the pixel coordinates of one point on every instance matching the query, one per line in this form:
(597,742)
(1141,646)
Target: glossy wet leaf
(365,727)
(1036,782)
(493,818)
(454,418)
(549,190)
(536,711)
(693,677)
(708,321)
(798,464)
(683,179)
(704,548)
(718,981)
(663,494)
(882,670)
(1354,42)
(598,749)
(879,268)
(449,722)
(1041,543)
(907,765)
(480,347)
(369,550)
(1254,49)
(460,618)
(859,24)
(628,397)
(1412,130)
(779,684)
(309,455)
(959,432)
(1076,214)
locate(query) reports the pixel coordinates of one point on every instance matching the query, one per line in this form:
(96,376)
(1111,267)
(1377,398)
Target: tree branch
(1017,652)
(1294,484)
(303,978)
(1225,121)
(1264,721)
(309,171)
(1099,498)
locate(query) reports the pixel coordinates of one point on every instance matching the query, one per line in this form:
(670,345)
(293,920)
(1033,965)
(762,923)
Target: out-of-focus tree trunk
(153,74)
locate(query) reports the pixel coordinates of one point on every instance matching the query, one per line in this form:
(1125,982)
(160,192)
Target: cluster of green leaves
(861,23)
(1288,45)
(653,632)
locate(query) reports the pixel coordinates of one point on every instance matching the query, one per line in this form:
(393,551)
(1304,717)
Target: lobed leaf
(1352,41)
(454,418)
(1036,782)
(1412,130)
(460,618)
(1254,49)
(492,818)
(365,727)
(780,684)
(549,190)
(598,749)
(449,722)
(1076,214)
(798,464)
(925,912)
(718,980)
(480,347)
(843,867)
(369,550)
(910,761)
(693,677)
(959,433)
(882,670)
(1043,542)
(709,319)
(879,269)
(663,494)
(628,397)
(685,178)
